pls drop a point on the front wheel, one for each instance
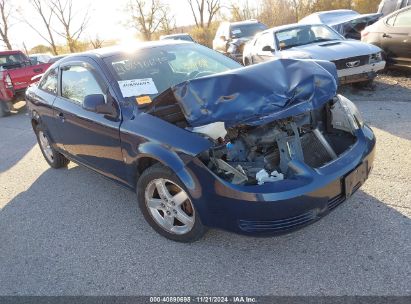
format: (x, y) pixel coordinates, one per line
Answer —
(365, 85)
(54, 159)
(167, 206)
(4, 109)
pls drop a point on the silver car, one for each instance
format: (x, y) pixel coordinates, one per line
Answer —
(355, 61)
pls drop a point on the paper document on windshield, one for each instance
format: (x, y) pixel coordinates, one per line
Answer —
(137, 87)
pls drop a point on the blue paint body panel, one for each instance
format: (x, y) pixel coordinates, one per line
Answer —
(114, 147)
(259, 93)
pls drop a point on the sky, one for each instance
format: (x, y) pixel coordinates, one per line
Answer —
(107, 17)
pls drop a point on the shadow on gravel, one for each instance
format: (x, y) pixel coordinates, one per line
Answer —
(16, 138)
(390, 85)
(73, 232)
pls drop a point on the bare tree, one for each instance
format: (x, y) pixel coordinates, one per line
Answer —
(147, 16)
(63, 10)
(42, 8)
(213, 6)
(200, 8)
(5, 11)
(96, 42)
(168, 21)
(276, 12)
(242, 11)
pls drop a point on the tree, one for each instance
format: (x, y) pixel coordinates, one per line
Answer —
(63, 10)
(201, 8)
(5, 11)
(276, 12)
(96, 42)
(146, 16)
(38, 49)
(242, 11)
(46, 13)
(168, 22)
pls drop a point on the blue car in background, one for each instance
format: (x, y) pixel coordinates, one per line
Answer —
(203, 141)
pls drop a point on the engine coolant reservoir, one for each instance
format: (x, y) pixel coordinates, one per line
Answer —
(214, 130)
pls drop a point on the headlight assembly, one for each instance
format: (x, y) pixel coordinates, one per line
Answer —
(345, 115)
(375, 57)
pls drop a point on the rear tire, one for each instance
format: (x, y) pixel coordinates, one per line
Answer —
(167, 206)
(55, 159)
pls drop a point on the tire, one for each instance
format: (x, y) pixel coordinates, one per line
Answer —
(365, 85)
(4, 109)
(55, 159)
(166, 210)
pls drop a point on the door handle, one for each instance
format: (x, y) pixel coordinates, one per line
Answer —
(386, 35)
(61, 116)
(38, 70)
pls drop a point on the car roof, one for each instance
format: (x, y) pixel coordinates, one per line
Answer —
(121, 49)
(396, 12)
(251, 21)
(176, 35)
(290, 26)
(10, 52)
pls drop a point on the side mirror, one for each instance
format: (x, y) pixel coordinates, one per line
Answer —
(268, 48)
(97, 103)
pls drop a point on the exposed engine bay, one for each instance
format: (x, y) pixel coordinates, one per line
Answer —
(250, 155)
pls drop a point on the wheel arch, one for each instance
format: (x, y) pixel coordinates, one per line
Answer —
(35, 119)
(151, 154)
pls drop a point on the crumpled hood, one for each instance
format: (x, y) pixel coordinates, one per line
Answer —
(257, 94)
(359, 18)
(332, 50)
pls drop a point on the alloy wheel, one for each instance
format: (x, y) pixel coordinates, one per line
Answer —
(169, 206)
(45, 146)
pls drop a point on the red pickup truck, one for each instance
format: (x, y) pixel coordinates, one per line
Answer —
(16, 73)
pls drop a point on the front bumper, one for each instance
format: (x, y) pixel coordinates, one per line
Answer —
(283, 206)
(361, 73)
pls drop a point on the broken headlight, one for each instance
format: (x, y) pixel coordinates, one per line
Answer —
(377, 57)
(345, 115)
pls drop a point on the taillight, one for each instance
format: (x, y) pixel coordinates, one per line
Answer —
(7, 82)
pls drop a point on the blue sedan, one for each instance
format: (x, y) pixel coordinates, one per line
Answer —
(203, 141)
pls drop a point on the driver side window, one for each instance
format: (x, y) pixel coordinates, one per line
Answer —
(77, 82)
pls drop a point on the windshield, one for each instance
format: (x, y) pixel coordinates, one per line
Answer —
(151, 71)
(246, 30)
(305, 34)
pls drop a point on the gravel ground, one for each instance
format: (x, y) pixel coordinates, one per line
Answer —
(71, 232)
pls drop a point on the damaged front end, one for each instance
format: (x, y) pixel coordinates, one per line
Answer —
(250, 155)
(262, 117)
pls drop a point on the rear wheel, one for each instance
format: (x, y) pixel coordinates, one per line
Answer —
(167, 206)
(54, 159)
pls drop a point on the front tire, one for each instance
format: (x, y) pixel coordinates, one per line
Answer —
(365, 85)
(4, 109)
(55, 159)
(167, 206)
